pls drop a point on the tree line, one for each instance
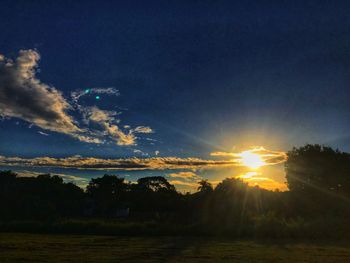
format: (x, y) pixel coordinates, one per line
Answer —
(318, 179)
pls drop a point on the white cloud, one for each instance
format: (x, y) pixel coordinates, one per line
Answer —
(76, 95)
(142, 129)
(88, 139)
(137, 151)
(97, 115)
(43, 133)
(24, 96)
(109, 123)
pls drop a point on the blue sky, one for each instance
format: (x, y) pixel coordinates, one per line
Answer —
(204, 76)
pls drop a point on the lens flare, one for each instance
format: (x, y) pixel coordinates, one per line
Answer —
(251, 159)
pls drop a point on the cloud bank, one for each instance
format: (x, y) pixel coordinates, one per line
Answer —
(151, 163)
(155, 163)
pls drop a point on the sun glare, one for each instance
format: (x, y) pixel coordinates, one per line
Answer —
(251, 159)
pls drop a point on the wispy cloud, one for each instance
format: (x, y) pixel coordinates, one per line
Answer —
(142, 129)
(109, 125)
(185, 180)
(66, 177)
(188, 176)
(155, 163)
(137, 151)
(268, 157)
(76, 95)
(184, 183)
(24, 96)
(43, 133)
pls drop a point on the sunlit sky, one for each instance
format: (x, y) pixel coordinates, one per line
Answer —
(153, 80)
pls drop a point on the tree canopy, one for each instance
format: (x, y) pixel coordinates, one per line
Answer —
(318, 168)
(318, 178)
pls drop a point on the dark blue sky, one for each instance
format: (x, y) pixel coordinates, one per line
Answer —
(204, 75)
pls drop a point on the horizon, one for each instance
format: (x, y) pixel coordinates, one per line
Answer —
(113, 80)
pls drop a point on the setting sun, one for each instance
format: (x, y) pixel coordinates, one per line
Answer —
(252, 160)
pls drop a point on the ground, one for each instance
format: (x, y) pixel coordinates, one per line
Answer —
(74, 248)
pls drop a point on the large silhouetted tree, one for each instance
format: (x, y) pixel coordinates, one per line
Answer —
(154, 194)
(107, 193)
(319, 180)
(318, 168)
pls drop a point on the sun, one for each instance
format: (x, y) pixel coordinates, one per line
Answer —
(251, 159)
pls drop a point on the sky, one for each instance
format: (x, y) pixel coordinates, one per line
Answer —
(153, 80)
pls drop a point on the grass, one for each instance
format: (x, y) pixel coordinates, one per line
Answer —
(16, 247)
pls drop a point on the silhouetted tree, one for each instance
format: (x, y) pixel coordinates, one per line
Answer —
(318, 178)
(313, 167)
(205, 186)
(154, 194)
(39, 197)
(107, 192)
(155, 184)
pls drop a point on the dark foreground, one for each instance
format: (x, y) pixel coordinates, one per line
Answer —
(74, 248)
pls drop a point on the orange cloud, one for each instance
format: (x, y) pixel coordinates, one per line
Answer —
(154, 163)
(267, 156)
(257, 179)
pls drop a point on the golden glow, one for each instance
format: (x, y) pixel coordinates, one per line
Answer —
(255, 157)
(254, 178)
(248, 175)
(251, 159)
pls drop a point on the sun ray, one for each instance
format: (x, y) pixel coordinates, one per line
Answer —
(250, 159)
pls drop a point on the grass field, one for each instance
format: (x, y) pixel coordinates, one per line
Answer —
(72, 248)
